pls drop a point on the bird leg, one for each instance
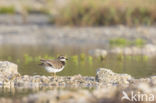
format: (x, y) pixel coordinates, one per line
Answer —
(52, 74)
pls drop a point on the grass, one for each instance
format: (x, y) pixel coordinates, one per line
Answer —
(31, 10)
(92, 12)
(107, 12)
(77, 59)
(122, 42)
(139, 42)
(28, 64)
(7, 10)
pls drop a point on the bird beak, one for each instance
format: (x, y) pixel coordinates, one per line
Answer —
(66, 58)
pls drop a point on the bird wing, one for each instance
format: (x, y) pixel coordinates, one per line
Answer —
(55, 64)
(52, 63)
(46, 62)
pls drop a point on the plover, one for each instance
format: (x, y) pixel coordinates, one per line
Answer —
(54, 66)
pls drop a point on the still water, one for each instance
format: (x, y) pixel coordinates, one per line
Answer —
(80, 62)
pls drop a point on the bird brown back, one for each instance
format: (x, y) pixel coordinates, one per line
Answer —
(53, 63)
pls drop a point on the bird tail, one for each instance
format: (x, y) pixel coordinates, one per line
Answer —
(41, 64)
(42, 61)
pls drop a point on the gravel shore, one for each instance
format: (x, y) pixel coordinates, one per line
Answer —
(106, 87)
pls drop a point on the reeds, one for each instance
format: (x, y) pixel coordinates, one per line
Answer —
(94, 12)
(107, 12)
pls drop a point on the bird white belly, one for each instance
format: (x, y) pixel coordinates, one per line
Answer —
(53, 70)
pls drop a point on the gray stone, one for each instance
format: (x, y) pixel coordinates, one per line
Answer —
(98, 52)
(148, 50)
(107, 76)
(8, 67)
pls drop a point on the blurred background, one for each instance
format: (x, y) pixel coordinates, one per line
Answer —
(115, 34)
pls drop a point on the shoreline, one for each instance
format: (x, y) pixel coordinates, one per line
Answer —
(106, 85)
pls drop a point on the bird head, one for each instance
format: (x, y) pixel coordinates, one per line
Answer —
(62, 58)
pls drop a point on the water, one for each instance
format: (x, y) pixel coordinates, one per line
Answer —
(80, 62)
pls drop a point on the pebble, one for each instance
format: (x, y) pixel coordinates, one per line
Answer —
(147, 50)
(106, 86)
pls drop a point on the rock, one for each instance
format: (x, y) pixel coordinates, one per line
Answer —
(107, 76)
(107, 93)
(63, 96)
(98, 52)
(143, 86)
(8, 68)
(8, 74)
(127, 51)
(100, 92)
(116, 51)
(148, 50)
(153, 80)
(77, 78)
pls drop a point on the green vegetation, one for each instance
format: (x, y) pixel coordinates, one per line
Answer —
(122, 42)
(82, 58)
(137, 58)
(90, 59)
(139, 42)
(31, 10)
(75, 59)
(28, 64)
(27, 59)
(107, 12)
(7, 10)
(92, 12)
(9, 58)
